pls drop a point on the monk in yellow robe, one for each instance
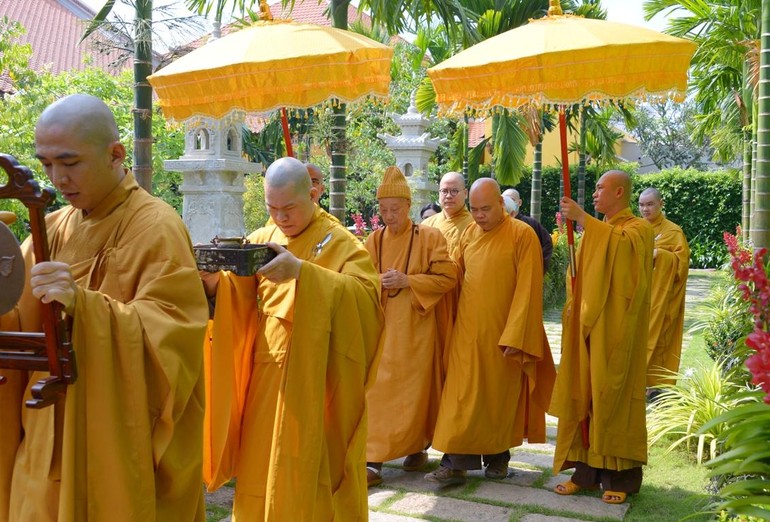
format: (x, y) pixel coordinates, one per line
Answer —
(599, 396)
(416, 273)
(291, 353)
(125, 442)
(500, 373)
(671, 264)
(454, 216)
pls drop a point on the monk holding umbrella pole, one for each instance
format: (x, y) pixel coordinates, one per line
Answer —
(558, 61)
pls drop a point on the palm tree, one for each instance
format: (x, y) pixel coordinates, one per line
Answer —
(760, 225)
(142, 163)
(724, 75)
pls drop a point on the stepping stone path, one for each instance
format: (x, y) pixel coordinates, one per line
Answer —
(525, 495)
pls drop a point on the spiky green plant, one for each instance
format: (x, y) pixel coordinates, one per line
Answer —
(682, 409)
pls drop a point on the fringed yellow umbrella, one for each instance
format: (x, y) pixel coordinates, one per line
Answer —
(558, 61)
(271, 65)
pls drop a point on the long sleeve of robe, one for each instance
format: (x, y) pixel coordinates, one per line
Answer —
(604, 341)
(491, 402)
(669, 284)
(287, 410)
(125, 444)
(403, 403)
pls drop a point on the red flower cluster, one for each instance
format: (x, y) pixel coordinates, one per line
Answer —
(560, 225)
(755, 287)
(360, 224)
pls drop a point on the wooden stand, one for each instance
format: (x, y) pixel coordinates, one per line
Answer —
(51, 350)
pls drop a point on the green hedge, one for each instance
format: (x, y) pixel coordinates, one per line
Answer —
(704, 204)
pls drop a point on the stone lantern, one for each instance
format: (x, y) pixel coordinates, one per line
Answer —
(213, 167)
(413, 149)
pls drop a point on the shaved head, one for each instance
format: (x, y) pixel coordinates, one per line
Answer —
(650, 204)
(288, 195)
(452, 193)
(317, 179)
(77, 142)
(487, 203)
(87, 117)
(512, 193)
(613, 192)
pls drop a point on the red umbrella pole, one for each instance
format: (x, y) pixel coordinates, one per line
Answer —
(286, 133)
(570, 235)
(567, 191)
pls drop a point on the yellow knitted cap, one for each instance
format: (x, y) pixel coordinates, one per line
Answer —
(394, 185)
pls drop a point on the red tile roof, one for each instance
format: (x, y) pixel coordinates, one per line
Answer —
(54, 28)
(314, 12)
(477, 130)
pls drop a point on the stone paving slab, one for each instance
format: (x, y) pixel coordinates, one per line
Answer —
(540, 460)
(377, 496)
(379, 516)
(537, 447)
(578, 504)
(547, 518)
(450, 508)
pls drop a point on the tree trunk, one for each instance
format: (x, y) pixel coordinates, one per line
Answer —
(143, 95)
(536, 193)
(760, 220)
(338, 171)
(746, 207)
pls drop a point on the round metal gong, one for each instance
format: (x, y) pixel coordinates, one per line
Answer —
(11, 270)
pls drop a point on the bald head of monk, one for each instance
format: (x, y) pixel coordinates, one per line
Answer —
(288, 195)
(77, 141)
(317, 179)
(613, 192)
(452, 193)
(650, 204)
(487, 206)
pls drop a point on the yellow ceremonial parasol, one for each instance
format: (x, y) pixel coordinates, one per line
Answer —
(561, 60)
(271, 65)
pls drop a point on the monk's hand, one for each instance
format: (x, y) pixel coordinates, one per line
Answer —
(512, 353)
(52, 281)
(210, 282)
(394, 279)
(571, 210)
(284, 267)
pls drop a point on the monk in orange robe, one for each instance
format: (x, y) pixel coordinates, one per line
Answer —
(599, 396)
(291, 353)
(125, 442)
(454, 217)
(416, 273)
(671, 262)
(500, 371)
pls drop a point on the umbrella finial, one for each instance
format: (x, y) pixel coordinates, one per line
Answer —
(555, 8)
(264, 11)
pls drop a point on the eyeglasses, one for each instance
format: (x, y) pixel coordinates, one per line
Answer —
(449, 192)
(315, 182)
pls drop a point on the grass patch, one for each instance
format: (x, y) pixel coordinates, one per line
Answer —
(673, 488)
(216, 513)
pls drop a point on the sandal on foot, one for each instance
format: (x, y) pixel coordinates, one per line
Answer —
(613, 497)
(567, 488)
(373, 477)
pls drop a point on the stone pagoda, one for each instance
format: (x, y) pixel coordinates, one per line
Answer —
(413, 149)
(213, 167)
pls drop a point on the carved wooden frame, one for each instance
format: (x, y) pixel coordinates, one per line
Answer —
(50, 350)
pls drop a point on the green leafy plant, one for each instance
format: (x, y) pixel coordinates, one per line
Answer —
(681, 411)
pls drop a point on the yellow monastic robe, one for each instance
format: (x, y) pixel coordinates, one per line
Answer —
(669, 282)
(125, 444)
(292, 424)
(604, 341)
(11, 396)
(491, 402)
(403, 403)
(452, 228)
